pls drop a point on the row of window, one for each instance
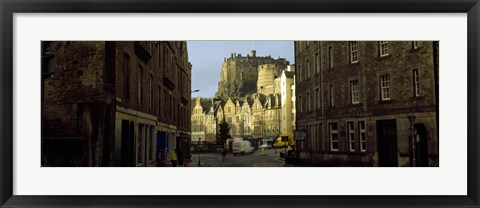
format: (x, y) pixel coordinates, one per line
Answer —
(356, 132)
(383, 50)
(172, 110)
(385, 92)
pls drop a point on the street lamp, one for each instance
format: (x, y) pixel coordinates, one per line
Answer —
(190, 143)
(198, 149)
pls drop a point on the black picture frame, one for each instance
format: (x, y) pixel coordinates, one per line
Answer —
(10, 7)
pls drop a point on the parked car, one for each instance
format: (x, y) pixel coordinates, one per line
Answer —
(266, 146)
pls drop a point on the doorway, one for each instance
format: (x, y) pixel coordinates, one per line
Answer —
(127, 147)
(387, 143)
(421, 148)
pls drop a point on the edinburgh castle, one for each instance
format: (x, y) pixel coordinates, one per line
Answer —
(239, 74)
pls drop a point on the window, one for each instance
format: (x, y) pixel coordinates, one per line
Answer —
(330, 93)
(383, 48)
(165, 105)
(330, 57)
(319, 137)
(300, 103)
(140, 143)
(150, 91)
(414, 44)
(313, 135)
(49, 57)
(307, 66)
(300, 73)
(363, 139)
(159, 101)
(174, 112)
(353, 52)
(317, 63)
(354, 91)
(126, 76)
(308, 102)
(416, 83)
(170, 105)
(333, 136)
(351, 136)
(317, 94)
(229, 109)
(150, 143)
(140, 85)
(385, 87)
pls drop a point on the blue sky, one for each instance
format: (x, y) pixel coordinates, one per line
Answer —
(207, 59)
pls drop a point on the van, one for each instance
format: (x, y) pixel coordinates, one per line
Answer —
(281, 144)
(242, 147)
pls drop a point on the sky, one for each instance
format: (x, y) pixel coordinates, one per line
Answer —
(207, 59)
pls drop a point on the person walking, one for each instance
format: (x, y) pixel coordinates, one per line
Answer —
(173, 158)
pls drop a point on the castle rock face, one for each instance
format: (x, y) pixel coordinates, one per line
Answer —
(239, 74)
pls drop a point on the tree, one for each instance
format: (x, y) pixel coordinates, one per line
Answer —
(223, 132)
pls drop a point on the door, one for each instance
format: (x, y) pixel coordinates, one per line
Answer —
(421, 148)
(127, 147)
(162, 143)
(387, 143)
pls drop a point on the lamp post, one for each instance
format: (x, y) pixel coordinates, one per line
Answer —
(198, 149)
(190, 143)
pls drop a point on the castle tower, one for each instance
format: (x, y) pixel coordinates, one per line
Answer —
(240, 73)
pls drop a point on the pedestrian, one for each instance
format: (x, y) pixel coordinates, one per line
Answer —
(186, 160)
(180, 157)
(173, 158)
(224, 153)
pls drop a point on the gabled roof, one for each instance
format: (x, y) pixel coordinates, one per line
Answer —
(289, 74)
(206, 104)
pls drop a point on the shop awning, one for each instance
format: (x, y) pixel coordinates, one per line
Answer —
(269, 138)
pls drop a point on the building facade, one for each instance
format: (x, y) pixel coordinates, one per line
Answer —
(287, 81)
(367, 103)
(128, 103)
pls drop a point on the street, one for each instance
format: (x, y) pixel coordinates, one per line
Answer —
(257, 159)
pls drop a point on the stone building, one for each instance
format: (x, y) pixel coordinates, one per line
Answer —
(246, 120)
(355, 98)
(198, 121)
(258, 112)
(271, 117)
(287, 81)
(205, 119)
(239, 74)
(230, 114)
(114, 103)
(212, 119)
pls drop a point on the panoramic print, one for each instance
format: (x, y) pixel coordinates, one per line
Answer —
(240, 103)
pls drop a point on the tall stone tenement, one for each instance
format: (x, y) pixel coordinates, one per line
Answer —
(240, 73)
